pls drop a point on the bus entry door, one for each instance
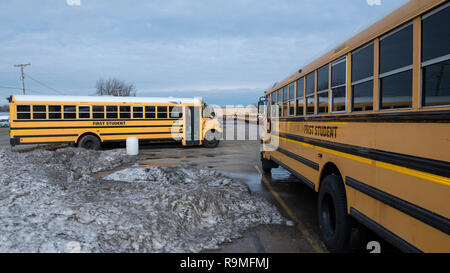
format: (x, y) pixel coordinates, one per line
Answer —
(193, 126)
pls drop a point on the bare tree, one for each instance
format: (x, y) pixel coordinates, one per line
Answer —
(115, 87)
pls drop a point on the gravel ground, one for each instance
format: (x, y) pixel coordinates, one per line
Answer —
(49, 202)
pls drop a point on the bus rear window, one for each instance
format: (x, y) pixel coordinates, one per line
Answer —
(23, 111)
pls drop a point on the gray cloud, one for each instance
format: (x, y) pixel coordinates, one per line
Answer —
(166, 47)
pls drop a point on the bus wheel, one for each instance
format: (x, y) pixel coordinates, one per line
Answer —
(211, 139)
(268, 165)
(334, 221)
(89, 142)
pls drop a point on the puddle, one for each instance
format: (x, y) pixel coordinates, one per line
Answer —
(252, 180)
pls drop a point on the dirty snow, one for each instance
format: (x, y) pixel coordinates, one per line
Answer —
(49, 202)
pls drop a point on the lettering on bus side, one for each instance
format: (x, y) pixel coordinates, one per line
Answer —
(323, 131)
(108, 123)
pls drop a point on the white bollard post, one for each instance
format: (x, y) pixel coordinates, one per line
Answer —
(132, 146)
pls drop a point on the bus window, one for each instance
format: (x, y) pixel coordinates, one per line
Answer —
(322, 90)
(111, 112)
(436, 57)
(273, 103)
(177, 111)
(362, 79)
(70, 112)
(54, 112)
(39, 111)
(138, 112)
(285, 101)
(84, 112)
(300, 97)
(150, 112)
(280, 103)
(125, 112)
(339, 85)
(98, 112)
(396, 55)
(162, 111)
(291, 99)
(23, 112)
(310, 82)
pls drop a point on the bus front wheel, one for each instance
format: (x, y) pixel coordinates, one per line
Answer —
(89, 142)
(211, 139)
(334, 221)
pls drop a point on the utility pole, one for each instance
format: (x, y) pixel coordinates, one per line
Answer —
(23, 76)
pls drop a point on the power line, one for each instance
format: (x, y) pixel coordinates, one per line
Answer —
(45, 85)
(23, 77)
(16, 88)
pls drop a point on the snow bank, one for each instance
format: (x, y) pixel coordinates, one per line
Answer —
(49, 202)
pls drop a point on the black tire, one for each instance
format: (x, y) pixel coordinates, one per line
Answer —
(335, 223)
(211, 139)
(89, 142)
(268, 165)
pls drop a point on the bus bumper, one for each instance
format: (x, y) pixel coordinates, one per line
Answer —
(14, 141)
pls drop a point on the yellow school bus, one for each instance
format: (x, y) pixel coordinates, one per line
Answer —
(367, 126)
(88, 121)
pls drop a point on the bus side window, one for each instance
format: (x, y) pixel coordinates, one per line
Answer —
(162, 111)
(322, 90)
(98, 112)
(176, 111)
(39, 111)
(23, 111)
(84, 112)
(310, 82)
(54, 112)
(125, 112)
(396, 68)
(436, 57)
(150, 112)
(300, 98)
(138, 112)
(285, 101)
(362, 79)
(70, 112)
(111, 112)
(279, 102)
(339, 85)
(291, 99)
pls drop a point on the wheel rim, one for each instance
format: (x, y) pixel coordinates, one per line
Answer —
(328, 216)
(89, 145)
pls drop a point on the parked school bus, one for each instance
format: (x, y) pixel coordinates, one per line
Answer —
(367, 126)
(88, 121)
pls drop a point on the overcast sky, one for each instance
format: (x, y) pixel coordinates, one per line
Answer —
(227, 52)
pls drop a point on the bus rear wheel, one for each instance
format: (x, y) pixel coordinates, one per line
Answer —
(89, 142)
(334, 221)
(268, 165)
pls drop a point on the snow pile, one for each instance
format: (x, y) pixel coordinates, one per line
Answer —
(49, 202)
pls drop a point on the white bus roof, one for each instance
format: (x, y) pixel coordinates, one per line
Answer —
(19, 98)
